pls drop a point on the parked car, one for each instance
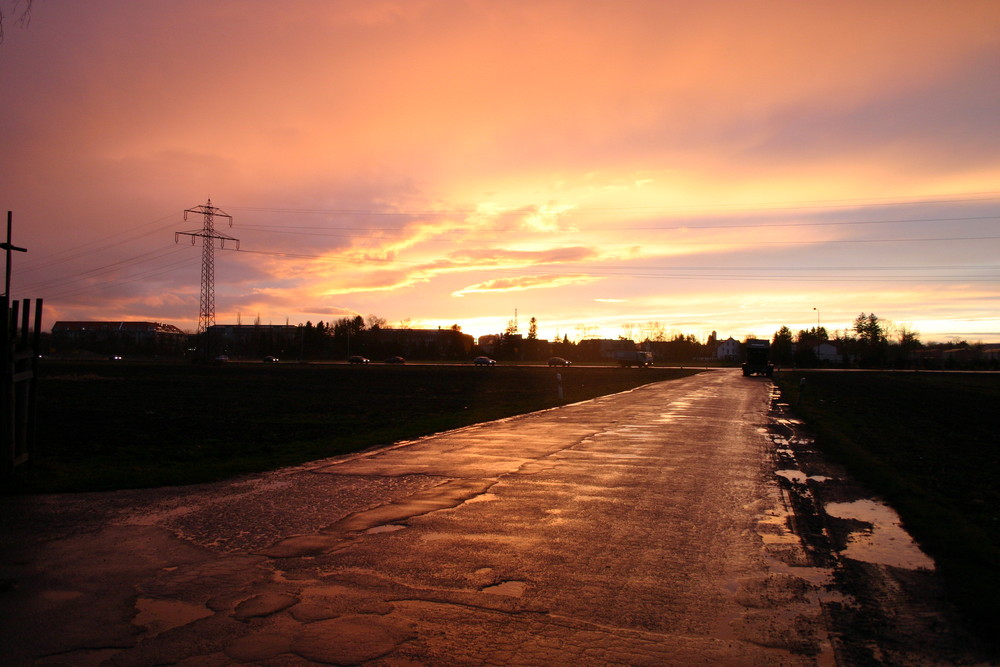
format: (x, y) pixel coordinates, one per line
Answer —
(395, 360)
(357, 359)
(559, 361)
(484, 361)
(221, 359)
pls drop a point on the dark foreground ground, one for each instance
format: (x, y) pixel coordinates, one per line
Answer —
(642, 528)
(927, 443)
(111, 425)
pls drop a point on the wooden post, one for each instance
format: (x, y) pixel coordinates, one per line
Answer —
(7, 444)
(16, 384)
(36, 351)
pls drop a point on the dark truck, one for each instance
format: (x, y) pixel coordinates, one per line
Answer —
(629, 358)
(756, 358)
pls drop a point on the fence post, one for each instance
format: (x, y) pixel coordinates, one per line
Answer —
(6, 390)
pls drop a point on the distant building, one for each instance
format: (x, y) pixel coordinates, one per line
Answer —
(488, 343)
(972, 353)
(728, 350)
(142, 338)
(596, 349)
(254, 340)
(827, 351)
(423, 343)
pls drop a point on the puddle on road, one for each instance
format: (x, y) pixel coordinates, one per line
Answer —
(158, 616)
(669, 419)
(61, 596)
(773, 528)
(482, 498)
(885, 542)
(514, 589)
(388, 528)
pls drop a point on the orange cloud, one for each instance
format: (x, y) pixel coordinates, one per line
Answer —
(522, 283)
(500, 256)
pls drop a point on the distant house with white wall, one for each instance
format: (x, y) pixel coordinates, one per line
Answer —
(728, 349)
(827, 352)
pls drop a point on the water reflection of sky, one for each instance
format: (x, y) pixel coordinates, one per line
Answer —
(884, 542)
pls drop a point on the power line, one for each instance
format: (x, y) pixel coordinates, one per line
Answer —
(648, 272)
(152, 273)
(948, 198)
(68, 255)
(753, 225)
(107, 268)
(354, 260)
(736, 242)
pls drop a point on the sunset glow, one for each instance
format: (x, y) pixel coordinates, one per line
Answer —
(600, 166)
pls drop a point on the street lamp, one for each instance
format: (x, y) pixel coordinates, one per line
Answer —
(817, 318)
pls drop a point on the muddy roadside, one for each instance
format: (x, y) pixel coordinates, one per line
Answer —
(885, 604)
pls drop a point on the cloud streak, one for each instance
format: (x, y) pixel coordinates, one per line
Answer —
(522, 283)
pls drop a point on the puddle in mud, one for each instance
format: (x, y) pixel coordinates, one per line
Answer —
(773, 529)
(514, 589)
(799, 477)
(387, 528)
(886, 542)
(794, 476)
(822, 578)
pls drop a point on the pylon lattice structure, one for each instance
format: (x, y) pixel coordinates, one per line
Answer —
(208, 236)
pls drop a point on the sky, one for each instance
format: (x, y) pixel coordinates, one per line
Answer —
(609, 168)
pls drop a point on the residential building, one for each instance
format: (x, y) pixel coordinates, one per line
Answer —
(728, 350)
(100, 337)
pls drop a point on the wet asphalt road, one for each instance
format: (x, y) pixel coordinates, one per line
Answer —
(641, 528)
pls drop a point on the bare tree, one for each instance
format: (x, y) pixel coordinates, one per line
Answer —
(376, 322)
(19, 9)
(585, 331)
(654, 331)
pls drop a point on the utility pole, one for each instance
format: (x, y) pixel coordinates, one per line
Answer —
(208, 235)
(8, 246)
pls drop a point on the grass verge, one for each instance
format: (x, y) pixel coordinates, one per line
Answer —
(106, 426)
(928, 443)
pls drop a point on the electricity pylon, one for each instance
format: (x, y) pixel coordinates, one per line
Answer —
(208, 235)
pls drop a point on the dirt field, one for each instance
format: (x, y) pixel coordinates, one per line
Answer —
(927, 444)
(107, 425)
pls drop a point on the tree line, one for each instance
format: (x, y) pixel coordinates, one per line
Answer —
(872, 342)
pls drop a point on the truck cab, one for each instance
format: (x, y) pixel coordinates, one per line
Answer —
(629, 358)
(757, 362)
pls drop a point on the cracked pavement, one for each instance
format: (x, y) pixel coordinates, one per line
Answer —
(646, 527)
